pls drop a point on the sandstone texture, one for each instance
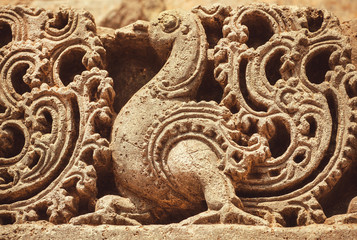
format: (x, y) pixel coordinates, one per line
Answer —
(54, 232)
(344, 9)
(196, 123)
(350, 29)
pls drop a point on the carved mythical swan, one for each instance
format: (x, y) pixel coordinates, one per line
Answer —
(189, 149)
(281, 137)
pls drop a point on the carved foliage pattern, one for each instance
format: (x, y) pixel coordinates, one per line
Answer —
(289, 80)
(55, 102)
(284, 130)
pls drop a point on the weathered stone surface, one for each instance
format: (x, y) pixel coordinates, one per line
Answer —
(344, 9)
(128, 11)
(217, 115)
(55, 112)
(350, 29)
(174, 231)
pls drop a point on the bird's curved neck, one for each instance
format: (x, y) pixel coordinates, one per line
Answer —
(181, 75)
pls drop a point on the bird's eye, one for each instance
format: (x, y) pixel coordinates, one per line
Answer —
(169, 23)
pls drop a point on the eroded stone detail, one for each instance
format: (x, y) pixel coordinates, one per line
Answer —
(55, 103)
(278, 136)
(291, 88)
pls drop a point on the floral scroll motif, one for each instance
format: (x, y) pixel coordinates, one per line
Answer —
(277, 139)
(286, 88)
(55, 102)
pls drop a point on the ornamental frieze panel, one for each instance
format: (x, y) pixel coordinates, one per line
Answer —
(218, 115)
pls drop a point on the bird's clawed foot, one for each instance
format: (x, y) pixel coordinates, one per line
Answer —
(229, 214)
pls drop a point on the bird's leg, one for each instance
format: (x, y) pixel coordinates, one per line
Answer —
(193, 162)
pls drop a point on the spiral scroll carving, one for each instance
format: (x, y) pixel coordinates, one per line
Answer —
(277, 139)
(51, 114)
(286, 88)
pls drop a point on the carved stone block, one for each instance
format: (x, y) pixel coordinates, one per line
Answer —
(218, 115)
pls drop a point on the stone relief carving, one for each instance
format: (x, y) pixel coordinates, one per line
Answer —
(53, 126)
(217, 115)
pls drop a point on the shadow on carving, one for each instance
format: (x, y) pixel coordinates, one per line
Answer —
(59, 20)
(210, 89)
(12, 140)
(298, 158)
(290, 217)
(315, 19)
(7, 218)
(5, 34)
(6, 177)
(312, 126)
(259, 27)
(71, 65)
(131, 66)
(47, 122)
(317, 66)
(34, 160)
(272, 69)
(280, 141)
(2, 108)
(255, 105)
(17, 78)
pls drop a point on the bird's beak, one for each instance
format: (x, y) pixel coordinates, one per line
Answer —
(138, 31)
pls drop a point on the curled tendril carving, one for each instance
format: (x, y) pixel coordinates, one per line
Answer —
(51, 114)
(284, 90)
(277, 139)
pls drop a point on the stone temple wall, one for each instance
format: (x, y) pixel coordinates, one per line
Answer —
(214, 121)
